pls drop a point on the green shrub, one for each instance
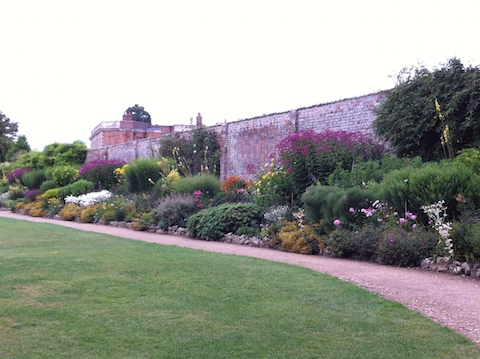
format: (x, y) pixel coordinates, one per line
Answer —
(361, 244)
(364, 172)
(144, 222)
(16, 192)
(415, 188)
(213, 223)
(174, 210)
(48, 184)
(470, 158)
(51, 193)
(64, 175)
(4, 186)
(404, 248)
(142, 174)
(33, 179)
(207, 184)
(75, 189)
(325, 204)
(466, 241)
(117, 209)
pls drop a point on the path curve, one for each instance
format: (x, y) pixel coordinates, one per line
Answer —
(452, 301)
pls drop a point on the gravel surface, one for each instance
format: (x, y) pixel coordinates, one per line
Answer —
(452, 301)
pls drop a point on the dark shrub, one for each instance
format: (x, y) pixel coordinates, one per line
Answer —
(404, 248)
(361, 244)
(174, 210)
(30, 194)
(466, 241)
(48, 184)
(213, 223)
(101, 172)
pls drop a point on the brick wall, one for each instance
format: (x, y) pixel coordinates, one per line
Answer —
(246, 145)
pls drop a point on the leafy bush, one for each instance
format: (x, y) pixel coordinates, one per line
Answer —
(75, 189)
(429, 184)
(48, 184)
(214, 222)
(174, 210)
(466, 241)
(144, 222)
(207, 184)
(33, 179)
(470, 158)
(310, 157)
(142, 174)
(361, 244)
(101, 172)
(31, 194)
(64, 175)
(400, 247)
(17, 174)
(407, 118)
(4, 186)
(16, 192)
(117, 209)
(70, 212)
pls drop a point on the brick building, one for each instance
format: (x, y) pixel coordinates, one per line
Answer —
(110, 133)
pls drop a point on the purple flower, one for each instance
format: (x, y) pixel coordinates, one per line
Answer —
(414, 226)
(337, 222)
(403, 220)
(391, 239)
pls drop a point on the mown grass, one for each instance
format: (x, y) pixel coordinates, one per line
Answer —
(74, 294)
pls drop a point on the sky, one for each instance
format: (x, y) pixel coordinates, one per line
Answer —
(68, 65)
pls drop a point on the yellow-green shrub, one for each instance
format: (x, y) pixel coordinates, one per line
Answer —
(299, 239)
(70, 212)
(89, 213)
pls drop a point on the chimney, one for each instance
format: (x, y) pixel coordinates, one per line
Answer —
(127, 116)
(199, 120)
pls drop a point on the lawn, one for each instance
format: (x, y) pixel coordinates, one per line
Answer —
(74, 294)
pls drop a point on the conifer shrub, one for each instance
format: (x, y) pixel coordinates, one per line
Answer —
(75, 189)
(48, 184)
(33, 179)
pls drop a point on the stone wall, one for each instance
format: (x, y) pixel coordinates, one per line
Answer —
(246, 145)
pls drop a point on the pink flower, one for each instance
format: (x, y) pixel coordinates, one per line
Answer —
(403, 220)
(351, 210)
(368, 212)
(337, 222)
(395, 214)
(414, 226)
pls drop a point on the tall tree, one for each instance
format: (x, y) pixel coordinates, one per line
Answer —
(8, 132)
(410, 121)
(19, 147)
(139, 114)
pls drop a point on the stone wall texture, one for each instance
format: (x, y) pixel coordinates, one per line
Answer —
(246, 145)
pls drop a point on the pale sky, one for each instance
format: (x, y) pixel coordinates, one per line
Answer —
(68, 65)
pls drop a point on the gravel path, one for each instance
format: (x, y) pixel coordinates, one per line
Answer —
(453, 301)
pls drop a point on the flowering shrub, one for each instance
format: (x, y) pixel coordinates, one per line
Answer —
(117, 209)
(70, 212)
(89, 213)
(437, 213)
(88, 199)
(273, 188)
(17, 174)
(310, 157)
(120, 174)
(101, 172)
(30, 194)
(64, 175)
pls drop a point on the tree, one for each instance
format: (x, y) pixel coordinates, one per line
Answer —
(19, 147)
(408, 117)
(139, 114)
(8, 131)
